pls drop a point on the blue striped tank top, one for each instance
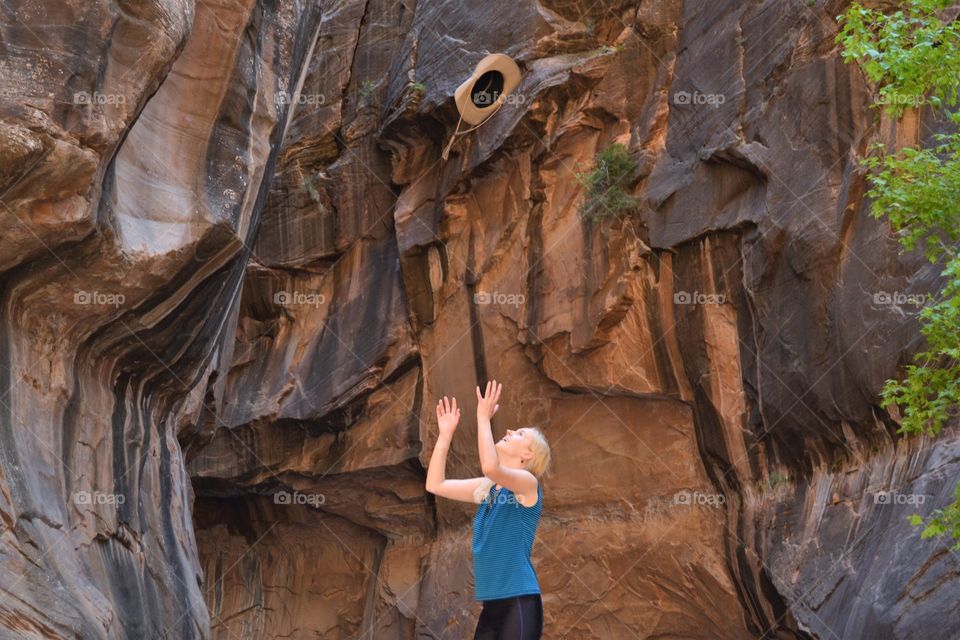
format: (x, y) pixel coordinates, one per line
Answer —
(503, 533)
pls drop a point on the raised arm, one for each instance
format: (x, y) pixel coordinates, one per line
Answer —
(486, 407)
(464, 490)
(519, 481)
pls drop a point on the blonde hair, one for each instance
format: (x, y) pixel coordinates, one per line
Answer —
(538, 465)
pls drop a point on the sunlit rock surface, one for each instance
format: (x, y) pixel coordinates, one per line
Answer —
(237, 273)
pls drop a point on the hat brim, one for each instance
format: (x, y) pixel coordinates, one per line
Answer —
(471, 113)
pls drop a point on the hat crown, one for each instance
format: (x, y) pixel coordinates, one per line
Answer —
(494, 78)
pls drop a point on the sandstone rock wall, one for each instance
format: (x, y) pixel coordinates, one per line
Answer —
(245, 284)
(138, 138)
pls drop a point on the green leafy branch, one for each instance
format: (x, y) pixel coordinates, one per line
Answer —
(912, 56)
(908, 53)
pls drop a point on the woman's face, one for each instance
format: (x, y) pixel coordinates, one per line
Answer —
(517, 442)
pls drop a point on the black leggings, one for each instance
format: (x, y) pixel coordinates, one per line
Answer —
(516, 618)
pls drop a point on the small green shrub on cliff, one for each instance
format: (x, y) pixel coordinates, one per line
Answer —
(311, 188)
(613, 170)
(912, 55)
(368, 87)
(776, 479)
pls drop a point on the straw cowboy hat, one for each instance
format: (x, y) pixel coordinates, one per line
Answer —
(495, 77)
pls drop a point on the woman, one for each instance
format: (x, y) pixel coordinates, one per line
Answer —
(504, 526)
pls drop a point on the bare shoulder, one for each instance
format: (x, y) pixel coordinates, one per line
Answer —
(530, 500)
(520, 482)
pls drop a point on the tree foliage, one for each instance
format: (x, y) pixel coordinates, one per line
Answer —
(912, 57)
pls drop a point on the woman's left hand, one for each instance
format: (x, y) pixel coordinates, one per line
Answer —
(487, 402)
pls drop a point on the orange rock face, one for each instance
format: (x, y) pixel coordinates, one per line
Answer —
(237, 273)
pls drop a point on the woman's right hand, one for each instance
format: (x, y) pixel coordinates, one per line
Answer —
(448, 416)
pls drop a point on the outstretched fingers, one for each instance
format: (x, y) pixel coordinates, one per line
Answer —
(491, 392)
(445, 407)
(488, 390)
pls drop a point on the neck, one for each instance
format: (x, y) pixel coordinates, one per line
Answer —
(514, 462)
